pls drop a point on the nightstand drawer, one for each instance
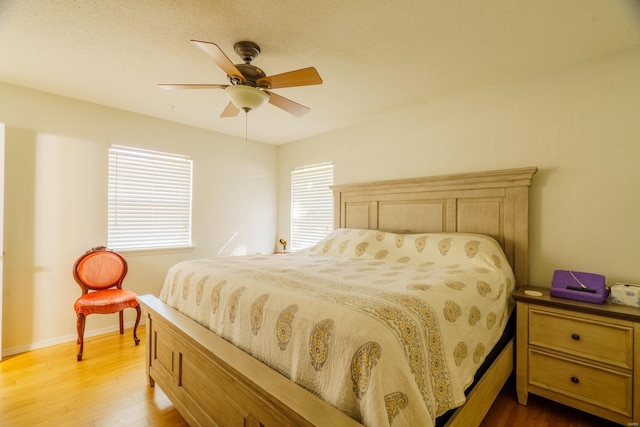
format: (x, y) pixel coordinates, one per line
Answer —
(608, 389)
(589, 337)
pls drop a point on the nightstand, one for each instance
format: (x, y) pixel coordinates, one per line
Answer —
(579, 354)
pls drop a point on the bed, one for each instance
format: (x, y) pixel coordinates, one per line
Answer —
(387, 232)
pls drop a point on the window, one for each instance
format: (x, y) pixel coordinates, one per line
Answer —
(311, 204)
(149, 199)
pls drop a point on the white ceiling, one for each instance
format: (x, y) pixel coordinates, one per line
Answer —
(374, 56)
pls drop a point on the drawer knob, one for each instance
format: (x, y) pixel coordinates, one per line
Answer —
(575, 380)
(575, 337)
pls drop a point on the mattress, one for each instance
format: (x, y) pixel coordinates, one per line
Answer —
(389, 328)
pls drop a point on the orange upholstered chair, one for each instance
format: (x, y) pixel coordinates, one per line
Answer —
(99, 273)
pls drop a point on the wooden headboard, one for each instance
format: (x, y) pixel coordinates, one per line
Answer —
(495, 203)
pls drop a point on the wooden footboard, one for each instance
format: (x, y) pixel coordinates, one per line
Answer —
(213, 383)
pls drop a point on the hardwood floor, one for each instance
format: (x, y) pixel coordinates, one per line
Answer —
(539, 412)
(48, 387)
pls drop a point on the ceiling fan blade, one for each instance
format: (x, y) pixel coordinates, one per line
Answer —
(303, 77)
(287, 105)
(230, 110)
(172, 86)
(219, 58)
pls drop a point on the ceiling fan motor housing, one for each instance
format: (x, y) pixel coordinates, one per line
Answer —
(251, 73)
(248, 51)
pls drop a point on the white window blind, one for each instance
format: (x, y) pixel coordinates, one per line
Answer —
(311, 204)
(149, 199)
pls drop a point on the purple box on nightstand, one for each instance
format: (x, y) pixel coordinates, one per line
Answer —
(577, 285)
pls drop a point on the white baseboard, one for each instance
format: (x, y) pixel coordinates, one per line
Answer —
(60, 340)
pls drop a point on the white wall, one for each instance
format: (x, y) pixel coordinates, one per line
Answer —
(580, 126)
(56, 205)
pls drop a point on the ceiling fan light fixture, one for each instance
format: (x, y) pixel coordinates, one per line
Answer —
(246, 98)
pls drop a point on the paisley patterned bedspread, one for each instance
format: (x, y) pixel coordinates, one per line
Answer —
(389, 328)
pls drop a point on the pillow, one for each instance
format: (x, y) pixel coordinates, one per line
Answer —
(433, 248)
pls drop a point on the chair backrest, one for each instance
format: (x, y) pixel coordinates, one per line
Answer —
(99, 268)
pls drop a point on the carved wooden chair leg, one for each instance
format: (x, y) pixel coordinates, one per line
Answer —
(80, 326)
(121, 314)
(135, 327)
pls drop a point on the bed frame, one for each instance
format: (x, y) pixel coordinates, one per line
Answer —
(211, 382)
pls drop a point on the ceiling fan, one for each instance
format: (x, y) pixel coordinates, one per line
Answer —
(249, 87)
